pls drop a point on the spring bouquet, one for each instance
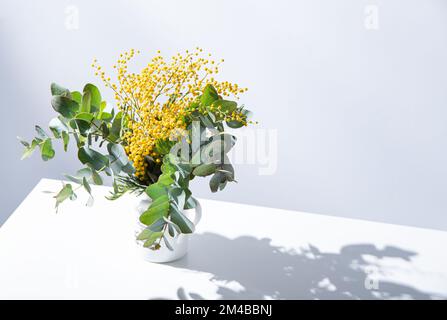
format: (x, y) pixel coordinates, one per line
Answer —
(168, 127)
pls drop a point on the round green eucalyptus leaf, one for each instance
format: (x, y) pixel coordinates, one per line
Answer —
(57, 90)
(209, 95)
(86, 102)
(96, 178)
(92, 158)
(234, 124)
(65, 106)
(118, 152)
(65, 193)
(158, 225)
(158, 209)
(106, 116)
(86, 116)
(155, 191)
(177, 217)
(47, 150)
(66, 139)
(81, 125)
(216, 180)
(152, 238)
(95, 96)
(41, 133)
(76, 96)
(204, 170)
(225, 105)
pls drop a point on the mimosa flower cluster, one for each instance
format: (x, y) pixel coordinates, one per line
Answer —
(158, 99)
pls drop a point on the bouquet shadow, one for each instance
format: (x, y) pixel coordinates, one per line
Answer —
(261, 270)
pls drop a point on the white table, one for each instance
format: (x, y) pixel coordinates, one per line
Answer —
(239, 252)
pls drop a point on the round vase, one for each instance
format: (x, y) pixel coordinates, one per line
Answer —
(179, 243)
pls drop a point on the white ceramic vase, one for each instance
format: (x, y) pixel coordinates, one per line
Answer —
(179, 243)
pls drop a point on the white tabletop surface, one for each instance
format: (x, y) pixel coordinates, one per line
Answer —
(238, 252)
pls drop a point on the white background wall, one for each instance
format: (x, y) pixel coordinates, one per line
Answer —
(361, 114)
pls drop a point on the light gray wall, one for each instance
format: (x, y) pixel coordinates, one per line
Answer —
(361, 114)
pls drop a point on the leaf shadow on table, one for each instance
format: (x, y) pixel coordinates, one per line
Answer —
(250, 268)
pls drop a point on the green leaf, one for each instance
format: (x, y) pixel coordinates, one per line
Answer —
(178, 195)
(152, 238)
(88, 117)
(168, 167)
(228, 170)
(82, 122)
(171, 230)
(190, 203)
(89, 190)
(47, 150)
(65, 193)
(172, 225)
(86, 102)
(155, 191)
(92, 158)
(157, 210)
(148, 234)
(41, 133)
(216, 180)
(86, 185)
(184, 168)
(165, 179)
(209, 95)
(222, 185)
(238, 124)
(76, 96)
(177, 217)
(95, 96)
(145, 234)
(102, 107)
(158, 225)
(79, 143)
(114, 165)
(234, 124)
(104, 130)
(66, 139)
(225, 105)
(80, 175)
(128, 168)
(115, 130)
(217, 149)
(96, 178)
(57, 90)
(204, 170)
(105, 116)
(164, 146)
(57, 127)
(84, 172)
(118, 152)
(73, 179)
(83, 126)
(65, 106)
(30, 149)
